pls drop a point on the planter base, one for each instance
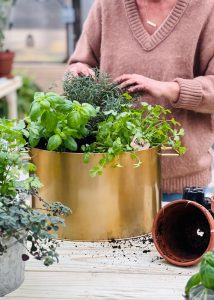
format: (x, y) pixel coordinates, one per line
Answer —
(11, 269)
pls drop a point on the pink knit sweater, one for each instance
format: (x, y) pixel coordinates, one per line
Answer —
(182, 49)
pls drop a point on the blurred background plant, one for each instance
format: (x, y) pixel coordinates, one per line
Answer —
(25, 96)
(4, 9)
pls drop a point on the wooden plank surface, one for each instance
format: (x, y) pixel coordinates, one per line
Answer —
(105, 270)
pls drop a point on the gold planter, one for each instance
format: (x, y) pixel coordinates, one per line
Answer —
(121, 203)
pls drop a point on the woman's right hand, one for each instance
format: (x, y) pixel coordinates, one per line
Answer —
(78, 69)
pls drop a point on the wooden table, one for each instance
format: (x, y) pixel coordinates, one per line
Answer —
(8, 89)
(104, 271)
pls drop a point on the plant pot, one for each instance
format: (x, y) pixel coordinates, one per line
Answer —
(11, 267)
(6, 63)
(121, 203)
(183, 231)
(212, 204)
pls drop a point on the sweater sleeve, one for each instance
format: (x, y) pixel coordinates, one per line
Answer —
(88, 47)
(197, 94)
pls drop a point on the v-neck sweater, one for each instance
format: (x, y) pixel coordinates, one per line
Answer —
(182, 50)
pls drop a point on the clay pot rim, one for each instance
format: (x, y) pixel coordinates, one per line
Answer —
(209, 219)
(8, 54)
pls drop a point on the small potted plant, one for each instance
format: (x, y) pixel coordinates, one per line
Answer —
(23, 230)
(201, 285)
(6, 56)
(94, 122)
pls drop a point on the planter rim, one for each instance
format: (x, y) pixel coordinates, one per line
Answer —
(94, 153)
(209, 219)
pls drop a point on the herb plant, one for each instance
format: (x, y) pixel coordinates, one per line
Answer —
(151, 124)
(57, 123)
(96, 117)
(99, 92)
(202, 283)
(17, 219)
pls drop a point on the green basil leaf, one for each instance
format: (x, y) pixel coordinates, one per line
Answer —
(207, 275)
(54, 142)
(193, 281)
(67, 106)
(70, 144)
(74, 119)
(89, 110)
(45, 104)
(49, 121)
(34, 141)
(35, 111)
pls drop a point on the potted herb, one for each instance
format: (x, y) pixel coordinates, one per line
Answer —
(116, 141)
(201, 285)
(23, 230)
(6, 56)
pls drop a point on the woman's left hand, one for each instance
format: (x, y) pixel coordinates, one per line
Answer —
(134, 83)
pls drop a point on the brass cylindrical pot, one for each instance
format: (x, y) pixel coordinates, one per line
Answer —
(121, 203)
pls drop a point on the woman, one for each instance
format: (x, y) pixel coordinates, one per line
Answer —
(164, 49)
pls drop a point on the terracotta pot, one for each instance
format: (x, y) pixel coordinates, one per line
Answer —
(183, 231)
(6, 63)
(212, 204)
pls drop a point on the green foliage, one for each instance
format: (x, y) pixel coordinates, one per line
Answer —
(205, 275)
(193, 281)
(207, 271)
(17, 219)
(25, 95)
(57, 123)
(98, 118)
(99, 92)
(4, 6)
(12, 152)
(151, 124)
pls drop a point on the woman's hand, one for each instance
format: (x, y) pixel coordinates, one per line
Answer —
(78, 69)
(134, 83)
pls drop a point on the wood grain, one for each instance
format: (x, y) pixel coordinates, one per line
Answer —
(104, 271)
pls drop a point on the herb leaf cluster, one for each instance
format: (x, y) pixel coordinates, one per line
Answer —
(151, 124)
(99, 92)
(204, 277)
(17, 219)
(57, 123)
(94, 116)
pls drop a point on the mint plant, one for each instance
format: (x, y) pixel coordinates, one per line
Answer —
(17, 219)
(56, 123)
(202, 283)
(151, 124)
